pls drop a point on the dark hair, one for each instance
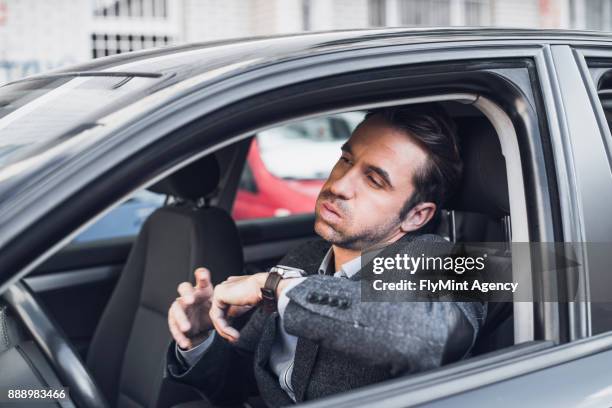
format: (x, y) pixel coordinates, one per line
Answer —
(431, 128)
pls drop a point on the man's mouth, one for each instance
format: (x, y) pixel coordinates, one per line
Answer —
(330, 211)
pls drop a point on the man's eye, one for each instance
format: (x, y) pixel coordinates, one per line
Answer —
(375, 182)
(344, 159)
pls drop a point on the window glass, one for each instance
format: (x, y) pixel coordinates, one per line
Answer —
(130, 9)
(124, 220)
(287, 166)
(36, 114)
(601, 311)
(105, 44)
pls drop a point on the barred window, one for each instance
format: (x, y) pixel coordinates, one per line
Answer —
(131, 8)
(111, 44)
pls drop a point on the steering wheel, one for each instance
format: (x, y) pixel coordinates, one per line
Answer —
(50, 339)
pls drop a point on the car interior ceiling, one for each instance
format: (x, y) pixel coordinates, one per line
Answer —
(128, 347)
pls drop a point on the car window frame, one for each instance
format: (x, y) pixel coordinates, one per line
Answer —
(593, 63)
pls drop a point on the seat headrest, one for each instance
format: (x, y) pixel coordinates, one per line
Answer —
(484, 187)
(197, 180)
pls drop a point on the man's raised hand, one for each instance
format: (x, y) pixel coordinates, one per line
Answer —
(232, 298)
(188, 317)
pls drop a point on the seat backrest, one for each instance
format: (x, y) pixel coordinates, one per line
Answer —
(480, 204)
(127, 353)
(484, 186)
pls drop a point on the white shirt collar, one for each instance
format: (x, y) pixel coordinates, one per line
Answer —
(347, 269)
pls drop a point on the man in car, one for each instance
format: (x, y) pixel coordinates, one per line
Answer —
(292, 336)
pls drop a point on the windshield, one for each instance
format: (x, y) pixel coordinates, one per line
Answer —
(309, 149)
(36, 114)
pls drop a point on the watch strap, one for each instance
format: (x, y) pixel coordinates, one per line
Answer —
(268, 292)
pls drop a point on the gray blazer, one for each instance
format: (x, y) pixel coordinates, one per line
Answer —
(342, 344)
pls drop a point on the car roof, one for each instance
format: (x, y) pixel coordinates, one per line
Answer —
(193, 59)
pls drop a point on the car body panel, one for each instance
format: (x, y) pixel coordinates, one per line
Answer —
(527, 374)
(585, 382)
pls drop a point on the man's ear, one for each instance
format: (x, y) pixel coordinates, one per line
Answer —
(418, 216)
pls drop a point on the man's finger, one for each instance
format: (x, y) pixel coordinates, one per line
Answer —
(232, 278)
(202, 278)
(205, 293)
(178, 336)
(180, 316)
(235, 311)
(186, 290)
(217, 315)
(218, 319)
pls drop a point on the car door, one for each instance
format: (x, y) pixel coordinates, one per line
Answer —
(575, 107)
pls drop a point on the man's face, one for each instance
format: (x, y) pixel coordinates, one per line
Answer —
(360, 203)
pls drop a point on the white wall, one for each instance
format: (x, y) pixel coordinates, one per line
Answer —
(338, 14)
(350, 14)
(287, 16)
(322, 15)
(37, 36)
(206, 20)
(515, 13)
(263, 15)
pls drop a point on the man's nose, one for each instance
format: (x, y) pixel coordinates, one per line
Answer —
(343, 186)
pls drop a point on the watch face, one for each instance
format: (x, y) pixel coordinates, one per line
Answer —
(291, 274)
(288, 272)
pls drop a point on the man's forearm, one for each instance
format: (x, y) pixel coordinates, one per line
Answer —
(405, 335)
(281, 293)
(224, 373)
(190, 357)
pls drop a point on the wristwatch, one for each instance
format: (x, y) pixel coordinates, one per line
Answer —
(268, 292)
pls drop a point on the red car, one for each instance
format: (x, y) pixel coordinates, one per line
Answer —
(262, 194)
(270, 187)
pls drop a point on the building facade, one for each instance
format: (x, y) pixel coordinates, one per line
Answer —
(41, 35)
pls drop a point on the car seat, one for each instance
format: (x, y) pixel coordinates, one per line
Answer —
(127, 352)
(481, 212)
